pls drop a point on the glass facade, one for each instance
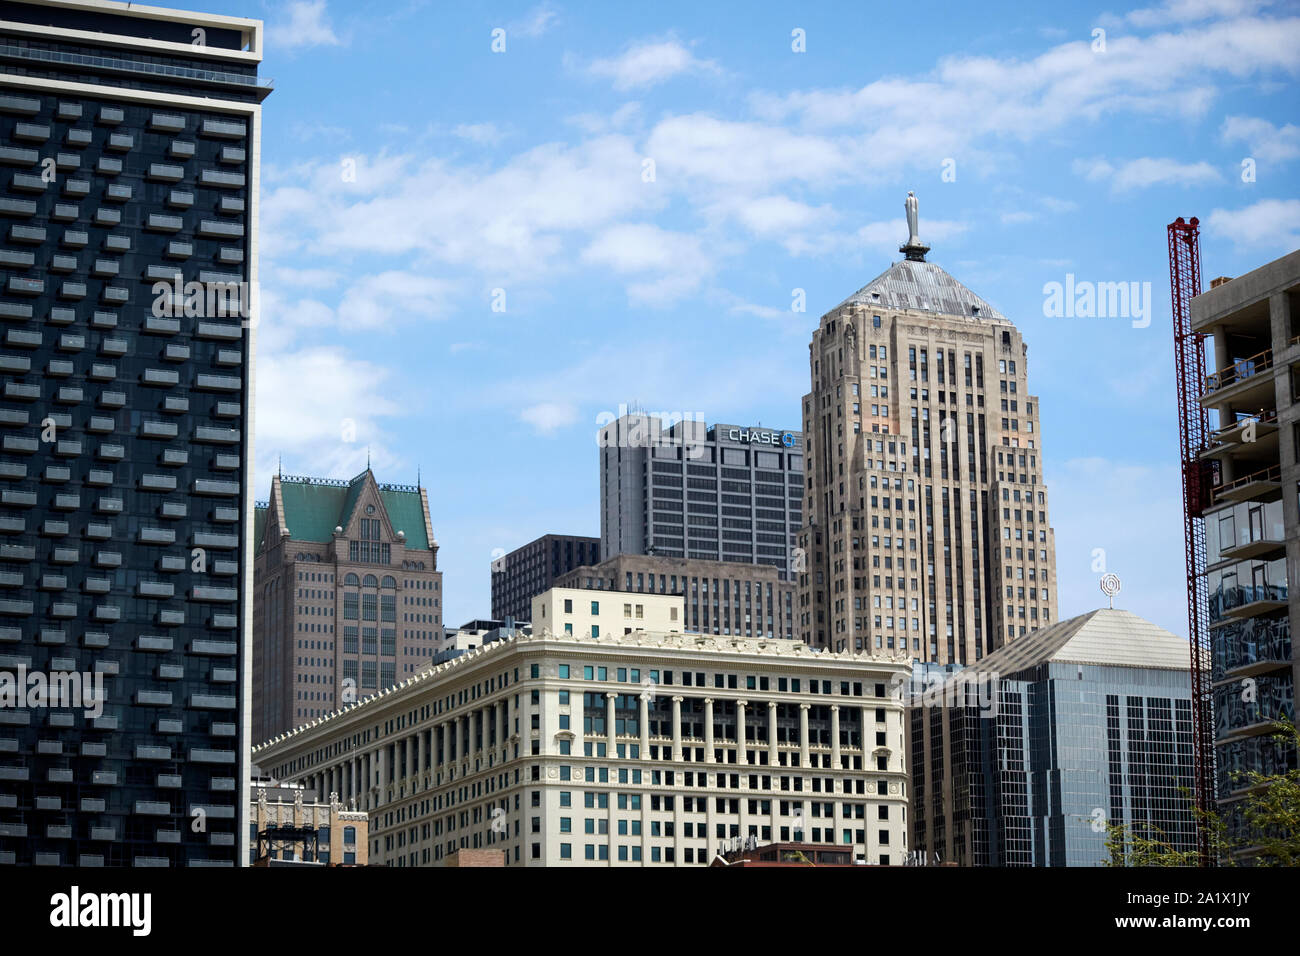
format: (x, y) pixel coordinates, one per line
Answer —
(1034, 780)
(124, 345)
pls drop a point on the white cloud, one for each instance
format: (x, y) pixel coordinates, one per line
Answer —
(393, 297)
(880, 237)
(755, 156)
(1188, 11)
(513, 220)
(650, 63)
(1147, 171)
(548, 417)
(484, 134)
(307, 26)
(1269, 223)
(320, 408)
(1264, 140)
(965, 100)
(639, 248)
(537, 22)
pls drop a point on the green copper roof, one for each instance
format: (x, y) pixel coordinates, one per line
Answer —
(314, 507)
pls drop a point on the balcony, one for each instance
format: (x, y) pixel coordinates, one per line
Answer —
(1251, 436)
(1265, 482)
(1249, 529)
(1247, 589)
(1244, 382)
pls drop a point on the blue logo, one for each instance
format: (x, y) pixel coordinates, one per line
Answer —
(787, 440)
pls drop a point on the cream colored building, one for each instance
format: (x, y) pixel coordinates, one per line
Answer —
(342, 833)
(584, 613)
(619, 750)
(926, 520)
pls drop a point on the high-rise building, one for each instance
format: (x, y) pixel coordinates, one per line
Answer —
(1252, 524)
(721, 597)
(927, 517)
(644, 749)
(713, 493)
(131, 135)
(1026, 758)
(532, 569)
(347, 595)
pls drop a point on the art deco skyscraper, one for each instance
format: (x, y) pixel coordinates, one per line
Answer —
(926, 522)
(130, 135)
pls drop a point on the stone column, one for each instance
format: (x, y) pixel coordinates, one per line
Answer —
(643, 722)
(383, 773)
(677, 727)
(708, 730)
(610, 723)
(444, 729)
(803, 734)
(867, 734)
(409, 747)
(742, 755)
(499, 726)
(454, 753)
(835, 736)
(420, 765)
(772, 757)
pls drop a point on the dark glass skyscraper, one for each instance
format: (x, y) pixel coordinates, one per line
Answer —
(129, 144)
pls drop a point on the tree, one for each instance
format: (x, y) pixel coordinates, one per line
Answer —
(1270, 809)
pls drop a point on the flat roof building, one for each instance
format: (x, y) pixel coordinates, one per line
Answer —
(130, 260)
(287, 823)
(640, 749)
(684, 489)
(533, 568)
(1252, 524)
(1025, 758)
(720, 597)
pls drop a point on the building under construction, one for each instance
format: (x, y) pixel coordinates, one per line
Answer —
(1251, 522)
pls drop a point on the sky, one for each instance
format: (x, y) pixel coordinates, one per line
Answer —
(484, 226)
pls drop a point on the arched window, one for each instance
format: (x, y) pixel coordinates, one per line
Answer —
(369, 581)
(352, 581)
(388, 582)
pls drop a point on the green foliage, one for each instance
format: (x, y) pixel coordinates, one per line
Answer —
(1271, 808)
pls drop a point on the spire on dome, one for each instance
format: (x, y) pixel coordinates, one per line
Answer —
(914, 248)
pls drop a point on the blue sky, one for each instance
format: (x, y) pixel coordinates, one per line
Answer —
(644, 187)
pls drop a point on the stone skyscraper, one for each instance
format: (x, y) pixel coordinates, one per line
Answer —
(926, 515)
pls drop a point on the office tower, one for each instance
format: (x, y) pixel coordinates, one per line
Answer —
(530, 570)
(721, 597)
(644, 749)
(131, 137)
(347, 595)
(1025, 758)
(927, 517)
(1252, 528)
(712, 493)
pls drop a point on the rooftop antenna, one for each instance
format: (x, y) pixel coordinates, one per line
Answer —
(1110, 587)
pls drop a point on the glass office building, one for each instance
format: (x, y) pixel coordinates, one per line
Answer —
(129, 148)
(1025, 758)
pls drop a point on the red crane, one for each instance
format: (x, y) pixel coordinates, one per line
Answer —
(1198, 483)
